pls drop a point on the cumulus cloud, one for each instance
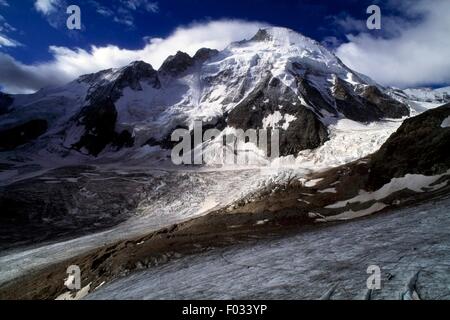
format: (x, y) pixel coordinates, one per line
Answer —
(67, 64)
(414, 53)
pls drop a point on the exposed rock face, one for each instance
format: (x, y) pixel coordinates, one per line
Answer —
(19, 135)
(5, 102)
(299, 127)
(204, 54)
(99, 120)
(177, 64)
(367, 104)
(389, 107)
(131, 76)
(420, 146)
(261, 35)
(353, 106)
(135, 73)
(314, 98)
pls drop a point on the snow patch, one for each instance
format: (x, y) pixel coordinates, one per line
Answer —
(349, 215)
(329, 190)
(413, 182)
(312, 183)
(277, 120)
(75, 296)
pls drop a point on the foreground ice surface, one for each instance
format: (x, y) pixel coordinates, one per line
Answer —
(331, 260)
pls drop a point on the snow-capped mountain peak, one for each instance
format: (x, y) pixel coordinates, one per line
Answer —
(258, 83)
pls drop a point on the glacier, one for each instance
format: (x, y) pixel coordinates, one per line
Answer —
(407, 243)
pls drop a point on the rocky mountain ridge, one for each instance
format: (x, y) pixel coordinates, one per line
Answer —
(252, 84)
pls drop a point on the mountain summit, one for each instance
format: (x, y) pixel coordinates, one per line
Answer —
(278, 79)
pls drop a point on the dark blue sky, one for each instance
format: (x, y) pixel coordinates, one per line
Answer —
(410, 50)
(313, 18)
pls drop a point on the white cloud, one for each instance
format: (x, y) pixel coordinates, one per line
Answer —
(8, 42)
(101, 9)
(123, 11)
(4, 3)
(46, 6)
(67, 64)
(149, 6)
(54, 11)
(349, 24)
(415, 53)
(5, 27)
(331, 42)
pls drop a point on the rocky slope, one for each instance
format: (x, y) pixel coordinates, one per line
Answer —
(413, 165)
(420, 146)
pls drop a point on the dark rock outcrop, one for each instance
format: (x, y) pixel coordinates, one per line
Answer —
(99, 120)
(130, 76)
(366, 106)
(5, 102)
(177, 64)
(22, 134)
(420, 146)
(204, 54)
(353, 106)
(305, 131)
(389, 107)
(313, 97)
(261, 35)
